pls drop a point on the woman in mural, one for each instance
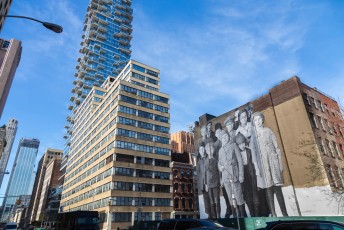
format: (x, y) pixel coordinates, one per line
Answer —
(213, 182)
(217, 146)
(268, 163)
(245, 127)
(231, 167)
(201, 175)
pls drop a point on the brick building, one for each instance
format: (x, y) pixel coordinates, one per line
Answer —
(308, 128)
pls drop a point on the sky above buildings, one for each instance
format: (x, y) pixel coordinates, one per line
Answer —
(214, 55)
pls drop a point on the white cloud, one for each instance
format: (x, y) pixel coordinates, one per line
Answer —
(222, 57)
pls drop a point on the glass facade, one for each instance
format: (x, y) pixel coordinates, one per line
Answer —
(105, 50)
(22, 174)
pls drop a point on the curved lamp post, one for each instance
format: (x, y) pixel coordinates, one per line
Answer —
(51, 26)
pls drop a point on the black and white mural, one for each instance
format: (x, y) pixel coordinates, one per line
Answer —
(239, 168)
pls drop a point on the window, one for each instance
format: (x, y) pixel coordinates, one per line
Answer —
(321, 122)
(320, 106)
(124, 171)
(121, 217)
(144, 173)
(152, 73)
(124, 158)
(163, 188)
(322, 147)
(313, 102)
(312, 120)
(125, 186)
(329, 147)
(340, 174)
(162, 163)
(330, 174)
(335, 149)
(138, 68)
(306, 99)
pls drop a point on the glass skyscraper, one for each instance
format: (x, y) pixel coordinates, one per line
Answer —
(11, 130)
(22, 174)
(105, 50)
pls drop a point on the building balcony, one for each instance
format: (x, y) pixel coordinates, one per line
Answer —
(117, 19)
(127, 51)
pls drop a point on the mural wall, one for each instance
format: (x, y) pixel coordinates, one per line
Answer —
(241, 168)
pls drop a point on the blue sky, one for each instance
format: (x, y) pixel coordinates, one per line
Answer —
(214, 55)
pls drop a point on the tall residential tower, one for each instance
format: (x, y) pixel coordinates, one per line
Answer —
(119, 159)
(105, 50)
(21, 179)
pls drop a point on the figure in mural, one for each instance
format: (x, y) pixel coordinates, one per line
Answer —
(268, 163)
(217, 146)
(245, 127)
(213, 182)
(254, 199)
(229, 123)
(231, 167)
(210, 134)
(201, 174)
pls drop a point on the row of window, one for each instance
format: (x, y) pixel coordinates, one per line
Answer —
(142, 136)
(142, 160)
(317, 104)
(144, 78)
(183, 203)
(143, 114)
(142, 103)
(144, 94)
(319, 122)
(142, 124)
(142, 187)
(143, 85)
(335, 180)
(182, 187)
(141, 148)
(144, 70)
(328, 148)
(130, 172)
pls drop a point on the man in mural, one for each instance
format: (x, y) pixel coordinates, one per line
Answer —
(210, 134)
(213, 182)
(249, 186)
(217, 146)
(268, 163)
(201, 175)
(231, 167)
(229, 123)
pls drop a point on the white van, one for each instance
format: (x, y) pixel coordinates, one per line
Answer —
(11, 225)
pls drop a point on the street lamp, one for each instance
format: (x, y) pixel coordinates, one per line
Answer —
(51, 26)
(7, 172)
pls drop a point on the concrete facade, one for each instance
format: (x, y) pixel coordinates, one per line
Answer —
(119, 151)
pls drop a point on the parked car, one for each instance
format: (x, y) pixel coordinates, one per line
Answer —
(188, 224)
(11, 225)
(303, 224)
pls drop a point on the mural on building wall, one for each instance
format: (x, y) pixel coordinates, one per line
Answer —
(240, 161)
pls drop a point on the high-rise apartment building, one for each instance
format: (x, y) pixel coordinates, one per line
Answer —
(287, 143)
(182, 142)
(4, 8)
(10, 53)
(22, 174)
(11, 130)
(105, 50)
(37, 192)
(119, 159)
